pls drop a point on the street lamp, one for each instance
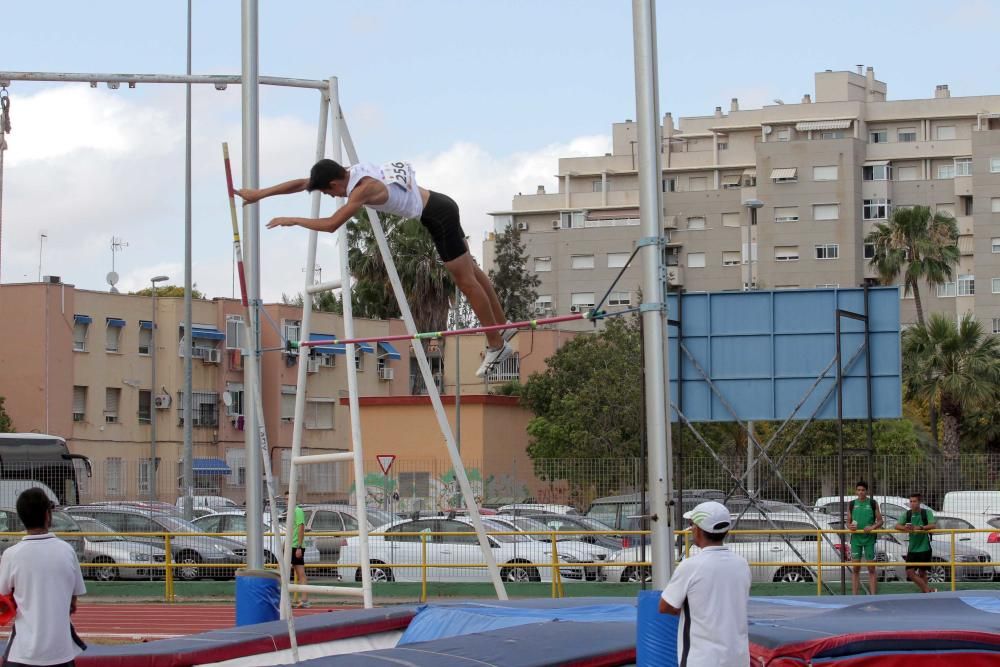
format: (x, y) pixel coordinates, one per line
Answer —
(152, 394)
(752, 205)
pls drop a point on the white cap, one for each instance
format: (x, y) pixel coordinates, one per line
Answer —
(710, 516)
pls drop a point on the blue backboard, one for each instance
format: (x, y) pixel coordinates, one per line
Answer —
(763, 350)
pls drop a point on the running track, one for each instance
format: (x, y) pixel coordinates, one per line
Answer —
(155, 621)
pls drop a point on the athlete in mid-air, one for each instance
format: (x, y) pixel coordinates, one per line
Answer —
(392, 188)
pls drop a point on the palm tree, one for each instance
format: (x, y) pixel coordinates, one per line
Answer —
(955, 367)
(917, 245)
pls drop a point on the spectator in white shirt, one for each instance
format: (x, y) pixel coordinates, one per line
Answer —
(710, 591)
(42, 573)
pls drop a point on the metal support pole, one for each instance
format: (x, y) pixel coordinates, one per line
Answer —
(251, 232)
(188, 472)
(656, 369)
(841, 488)
(869, 435)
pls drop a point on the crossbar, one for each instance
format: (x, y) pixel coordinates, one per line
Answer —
(335, 457)
(326, 590)
(214, 79)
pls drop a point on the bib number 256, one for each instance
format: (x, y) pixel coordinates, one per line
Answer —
(398, 173)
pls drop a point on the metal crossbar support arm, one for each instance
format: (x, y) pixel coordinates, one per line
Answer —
(216, 80)
(328, 286)
(337, 457)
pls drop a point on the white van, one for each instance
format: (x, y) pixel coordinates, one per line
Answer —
(217, 502)
(972, 502)
(10, 489)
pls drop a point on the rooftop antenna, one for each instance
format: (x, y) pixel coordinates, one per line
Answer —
(117, 245)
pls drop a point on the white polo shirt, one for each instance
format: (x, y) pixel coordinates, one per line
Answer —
(711, 589)
(44, 575)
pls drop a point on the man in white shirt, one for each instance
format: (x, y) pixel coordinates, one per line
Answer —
(42, 573)
(710, 591)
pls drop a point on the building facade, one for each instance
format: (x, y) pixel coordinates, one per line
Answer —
(777, 198)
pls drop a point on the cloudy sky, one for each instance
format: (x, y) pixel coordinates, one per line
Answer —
(482, 97)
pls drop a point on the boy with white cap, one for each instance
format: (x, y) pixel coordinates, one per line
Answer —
(710, 591)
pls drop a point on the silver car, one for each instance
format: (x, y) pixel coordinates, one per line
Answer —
(109, 551)
(235, 521)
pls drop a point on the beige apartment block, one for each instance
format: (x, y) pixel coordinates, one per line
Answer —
(821, 173)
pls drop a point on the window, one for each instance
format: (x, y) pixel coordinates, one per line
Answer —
(786, 213)
(876, 172)
(619, 299)
(543, 304)
(945, 132)
(319, 414)
(946, 171)
(877, 209)
(145, 406)
(581, 261)
(145, 337)
(617, 260)
(291, 330)
(880, 136)
(146, 472)
(113, 335)
(786, 253)
(598, 186)
(784, 134)
(869, 250)
(731, 220)
(236, 333)
(828, 286)
(995, 204)
(112, 397)
(359, 359)
(697, 184)
(946, 209)
(967, 285)
(582, 300)
(696, 260)
(571, 219)
(669, 184)
(828, 173)
(996, 327)
(827, 251)
(963, 166)
(723, 145)
(785, 175)
(79, 403)
(204, 408)
(696, 223)
(235, 407)
(826, 211)
(947, 290)
(236, 459)
(832, 134)
(995, 165)
(996, 285)
(907, 174)
(906, 135)
(732, 257)
(114, 483)
(414, 485)
(543, 264)
(80, 335)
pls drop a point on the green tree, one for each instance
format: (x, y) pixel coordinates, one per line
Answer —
(6, 423)
(170, 290)
(514, 284)
(956, 368)
(917, 245)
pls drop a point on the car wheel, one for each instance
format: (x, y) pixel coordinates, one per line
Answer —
(107, 571)
(519, 573)
(379, 574)
(633, 575)
(189, 570)
(793, 575)
(939, 574)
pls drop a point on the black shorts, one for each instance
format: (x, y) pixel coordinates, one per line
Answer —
(919, 557)
(441, 219)
(298, 560)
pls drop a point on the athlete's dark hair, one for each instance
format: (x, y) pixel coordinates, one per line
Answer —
(322, 173)
(915, 495)
(863, 484)
(32, 505)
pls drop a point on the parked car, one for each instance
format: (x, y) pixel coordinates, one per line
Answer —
(965, 552)
(188, 547)
(624, 512)
(515, 554)
(110, 551)
(235, 521)
(988, 542)
(208, 501)
(62, 523)
(972, 502)
(566, 543)
(536, 508)
(336, 518)
(578, 528)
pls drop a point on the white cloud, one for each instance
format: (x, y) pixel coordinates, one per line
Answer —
(85, 165)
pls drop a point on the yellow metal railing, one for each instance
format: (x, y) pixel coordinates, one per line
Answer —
(555, 565)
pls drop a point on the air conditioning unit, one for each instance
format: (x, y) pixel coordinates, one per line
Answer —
(670, 222)
(161, 401)
(522, 226)
(386, 373)
(312, 366)
(555, 224)
(542, 310)
(675, 276)
(212, 356)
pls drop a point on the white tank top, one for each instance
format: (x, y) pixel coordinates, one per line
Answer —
(404, 195)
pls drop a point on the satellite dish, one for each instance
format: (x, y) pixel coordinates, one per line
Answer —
(227, 398)
(112, 278)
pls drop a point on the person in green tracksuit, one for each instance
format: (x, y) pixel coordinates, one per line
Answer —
(918, 521)
(865, 517)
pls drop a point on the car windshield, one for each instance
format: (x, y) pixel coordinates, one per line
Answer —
(93, 526)
(495, 526)
(61, 523)
(377, 517)
(532, 525)
(591, 523)
(175, 524)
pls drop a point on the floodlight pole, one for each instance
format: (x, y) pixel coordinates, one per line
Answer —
(654, 313)
(188, 465)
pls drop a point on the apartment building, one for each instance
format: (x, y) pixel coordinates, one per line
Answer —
(777, 198)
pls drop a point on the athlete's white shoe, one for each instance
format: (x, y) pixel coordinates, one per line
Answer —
(494, 357)
(508, 333)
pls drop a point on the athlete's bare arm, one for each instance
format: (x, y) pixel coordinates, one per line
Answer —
(250, 195)
(368, 192)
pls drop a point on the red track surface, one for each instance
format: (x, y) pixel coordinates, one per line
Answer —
(155, 621)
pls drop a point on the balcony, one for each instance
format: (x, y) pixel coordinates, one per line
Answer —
(912, 150)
